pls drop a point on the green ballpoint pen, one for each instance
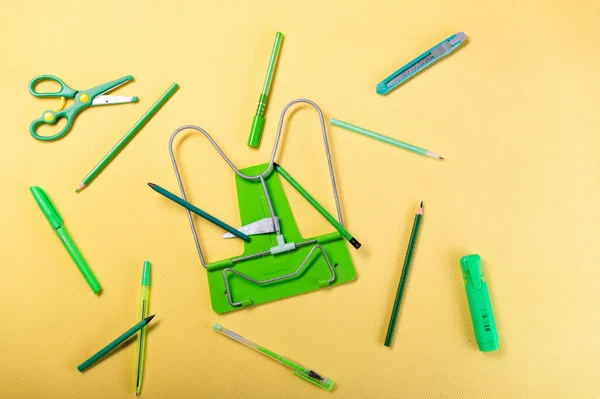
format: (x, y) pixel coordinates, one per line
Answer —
(56, 222)
(296, 368)
(258, 121)
(141, 342)
(118, 341)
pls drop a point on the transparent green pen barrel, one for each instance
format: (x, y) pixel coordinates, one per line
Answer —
(480, 305)
(141, 342)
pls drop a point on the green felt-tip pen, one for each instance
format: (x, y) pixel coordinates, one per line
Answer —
(480, 305)
(296, 368)
(56, 223)
(141, 341)
(258, 122)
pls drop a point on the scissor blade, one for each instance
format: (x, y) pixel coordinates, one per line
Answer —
(107, 100)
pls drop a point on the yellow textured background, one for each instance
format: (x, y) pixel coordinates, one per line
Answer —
(514, 111)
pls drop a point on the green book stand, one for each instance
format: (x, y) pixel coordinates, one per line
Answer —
(273, 265)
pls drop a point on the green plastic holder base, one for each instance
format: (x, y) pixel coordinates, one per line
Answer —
(314, 275)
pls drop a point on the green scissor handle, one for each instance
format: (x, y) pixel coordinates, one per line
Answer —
(65, 91)
(50, 117)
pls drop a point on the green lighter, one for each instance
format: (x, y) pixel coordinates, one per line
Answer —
(479, 303)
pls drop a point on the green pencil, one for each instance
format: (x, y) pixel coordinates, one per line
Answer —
(198, 211)
(407, 259)
(282, 172)
(385, 139)
(127, 138)
(122, 338)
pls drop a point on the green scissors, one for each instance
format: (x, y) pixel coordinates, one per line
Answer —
(83, 99)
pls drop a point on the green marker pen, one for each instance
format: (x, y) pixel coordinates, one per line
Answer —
(480, 305)
(296, 368)
(56, 223)
(258, 121)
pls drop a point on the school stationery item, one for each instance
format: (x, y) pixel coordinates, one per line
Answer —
(282, 172)
(198, 211)
(385, 139)
(127, 138)
(82, 100)
(56, 222)
(281, 263)
(297, 368)
(258, 121)
(405, 268)
(426, 59)
(141, 341)
(263, 226)
(480, 305)
(118, 341)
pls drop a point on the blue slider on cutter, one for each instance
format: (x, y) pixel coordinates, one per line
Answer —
(421, 62)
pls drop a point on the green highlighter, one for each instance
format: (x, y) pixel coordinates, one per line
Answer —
(480, 305)
(56, 223)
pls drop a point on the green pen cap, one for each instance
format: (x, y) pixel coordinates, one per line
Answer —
(46, 206)
(146, 273)
(258, 123)
(480, 305)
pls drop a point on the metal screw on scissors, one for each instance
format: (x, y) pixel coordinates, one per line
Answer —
(83, 99)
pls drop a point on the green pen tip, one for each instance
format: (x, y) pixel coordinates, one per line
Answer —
(217, 327)
(135, 99)
(151, 184)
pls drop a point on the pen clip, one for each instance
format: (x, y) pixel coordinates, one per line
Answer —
(47, 207)
(471, 265)
(315, 381)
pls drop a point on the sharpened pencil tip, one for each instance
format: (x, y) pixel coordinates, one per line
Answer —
(442, 158)
(151, 185)
(421, 204)
(149, 318)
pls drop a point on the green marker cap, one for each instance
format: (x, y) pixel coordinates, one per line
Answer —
(146, 273)
(480, 305)
(258, 123)
(46, 206)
